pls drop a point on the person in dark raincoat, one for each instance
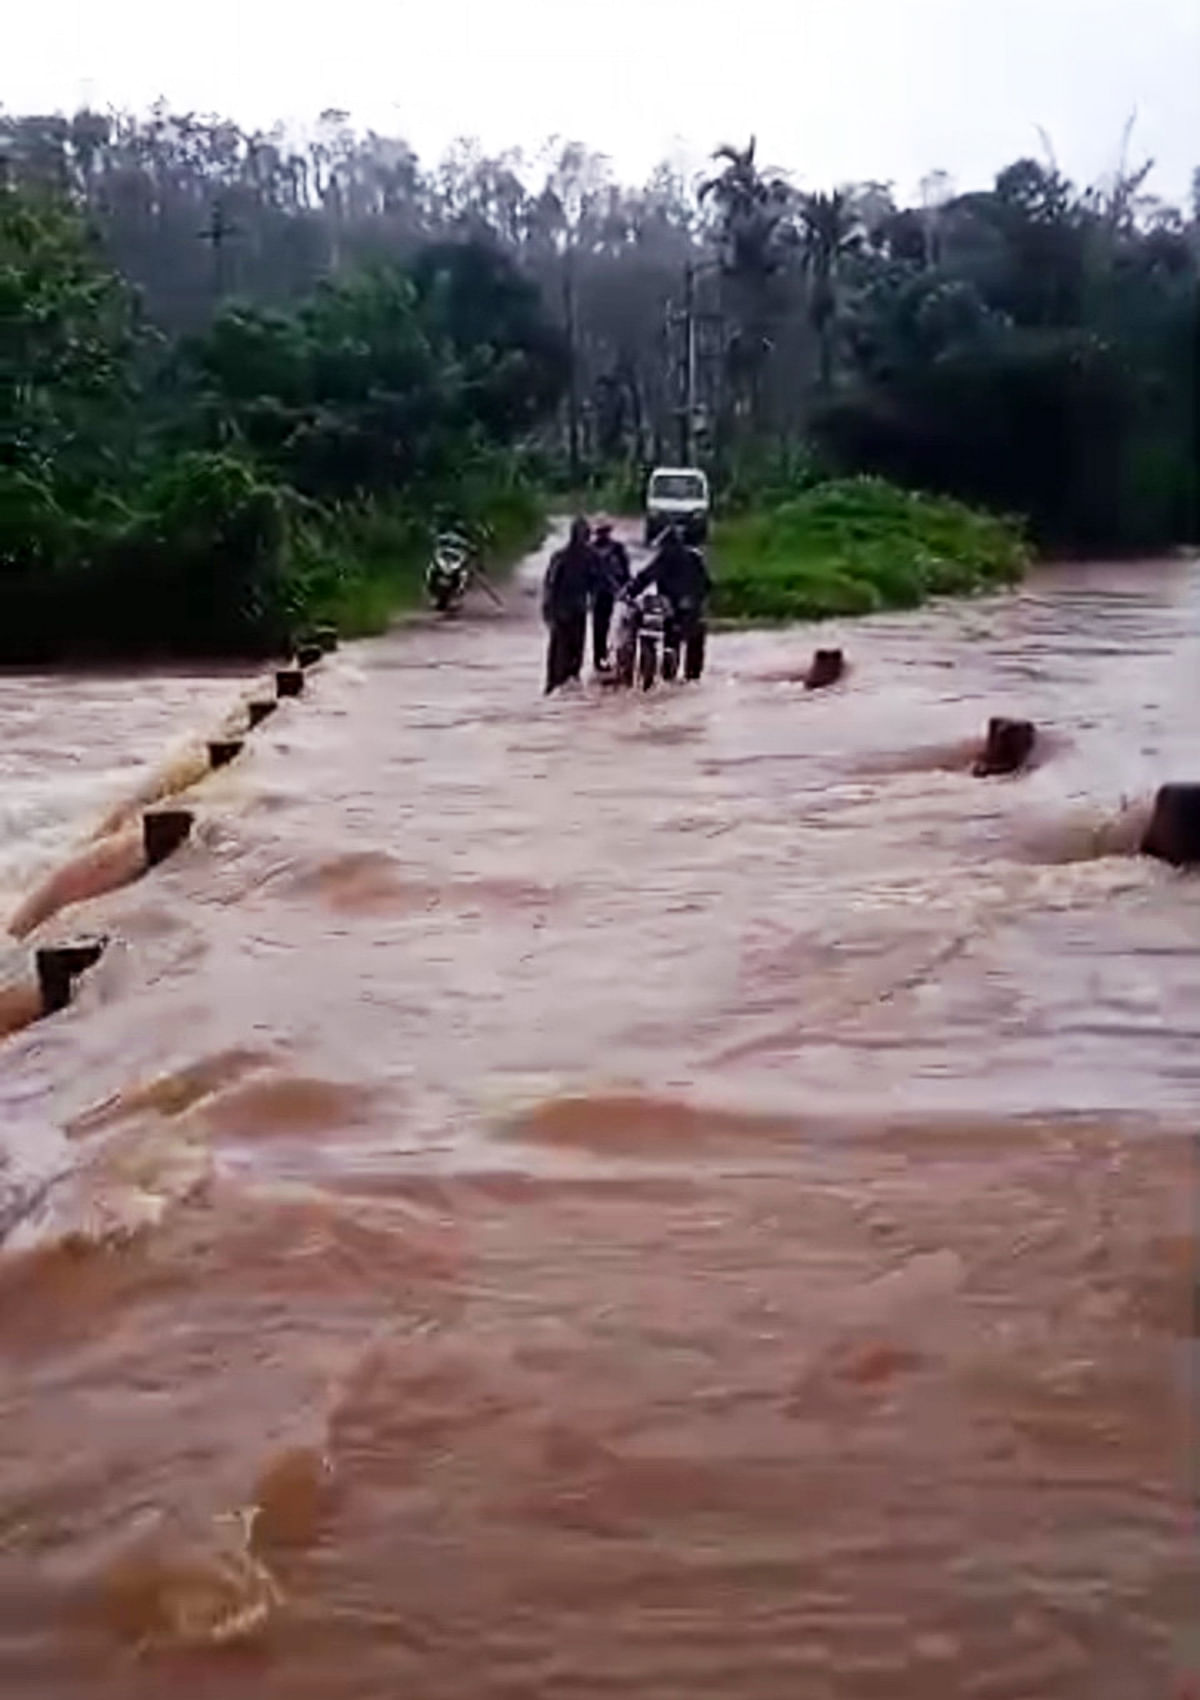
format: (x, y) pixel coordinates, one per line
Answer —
(567, 591)
(679, 572)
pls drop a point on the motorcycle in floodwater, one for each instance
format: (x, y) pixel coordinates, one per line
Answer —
(653, 641)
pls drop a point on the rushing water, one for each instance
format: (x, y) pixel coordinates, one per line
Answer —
(686, 1196)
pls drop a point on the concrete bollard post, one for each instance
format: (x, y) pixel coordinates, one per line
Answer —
(308, 654)
(258, 710)
(1173, 834)
(1007, 747)
(60, 965)
(828, 666)
(163, 831)
(221, 751)
(289, 682)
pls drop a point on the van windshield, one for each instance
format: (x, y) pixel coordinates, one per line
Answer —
(677, 487)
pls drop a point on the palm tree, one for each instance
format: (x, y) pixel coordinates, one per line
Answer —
(831, 233)
(754, 208)
(754, 229)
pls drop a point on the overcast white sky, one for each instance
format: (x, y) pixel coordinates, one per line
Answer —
(836, 89)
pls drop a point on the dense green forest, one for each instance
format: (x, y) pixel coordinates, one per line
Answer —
(242, 375)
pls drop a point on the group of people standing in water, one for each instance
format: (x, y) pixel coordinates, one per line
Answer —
(590, 573)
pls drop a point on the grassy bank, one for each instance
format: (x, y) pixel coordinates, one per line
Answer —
(216, 562)
(359, 567)
(857, 546)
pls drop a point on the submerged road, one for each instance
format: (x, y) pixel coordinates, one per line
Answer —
(683, 1195)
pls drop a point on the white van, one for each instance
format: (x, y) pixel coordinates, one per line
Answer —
(677, 495)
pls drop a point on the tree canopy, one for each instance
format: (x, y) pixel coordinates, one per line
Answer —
(351, 324)
(198, 494)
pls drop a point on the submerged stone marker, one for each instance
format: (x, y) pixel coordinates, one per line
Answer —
(163, 831)
(221, 751)
(309, 654)
(1007, 747)
(289, 682)
(827, 667)
(60, 965)
(1173, 834)
(258, 710)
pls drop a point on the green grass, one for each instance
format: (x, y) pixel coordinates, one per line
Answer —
(857, 546)
(360, 567)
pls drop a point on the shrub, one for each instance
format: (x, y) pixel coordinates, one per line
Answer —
(196, 567)
(856, 545)
(357, 563)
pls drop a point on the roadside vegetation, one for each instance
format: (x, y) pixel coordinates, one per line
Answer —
(245, 376)
(856, 546)
(215, 493)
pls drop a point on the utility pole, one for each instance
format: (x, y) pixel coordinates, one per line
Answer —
(573, 374)
(687, 443)
(216, 233)
(683, 319)
(690, 322)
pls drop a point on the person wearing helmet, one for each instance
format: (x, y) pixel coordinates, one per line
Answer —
(567, 590)
(612, 576)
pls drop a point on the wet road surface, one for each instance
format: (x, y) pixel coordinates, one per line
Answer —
(677, 1195)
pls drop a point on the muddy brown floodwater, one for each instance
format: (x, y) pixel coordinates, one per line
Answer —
(677, 1196)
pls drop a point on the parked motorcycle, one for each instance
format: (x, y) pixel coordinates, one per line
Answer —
(449, 572)
(456, 565)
